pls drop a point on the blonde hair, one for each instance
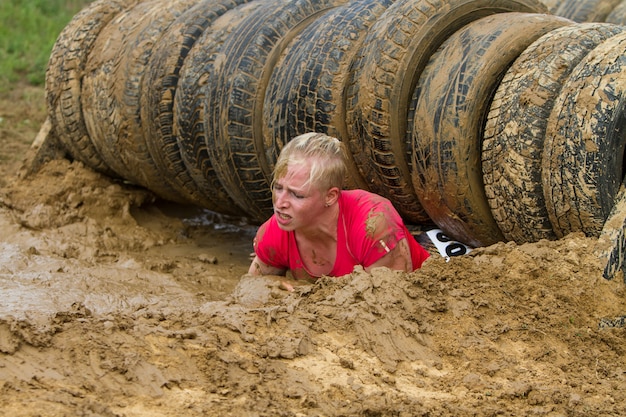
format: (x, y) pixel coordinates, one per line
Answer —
(325, 153)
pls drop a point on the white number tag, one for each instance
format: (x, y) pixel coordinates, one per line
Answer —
(446, 246)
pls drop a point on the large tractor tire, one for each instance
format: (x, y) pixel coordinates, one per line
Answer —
(387, 68)
(583, 158)
(64, 78)
(112, 88)
(517, 123)
(158, 90)
(453, 97)
(306, 90)
(189, 106)
(234, 101)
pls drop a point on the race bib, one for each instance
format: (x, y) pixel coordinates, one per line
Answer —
(446, 246)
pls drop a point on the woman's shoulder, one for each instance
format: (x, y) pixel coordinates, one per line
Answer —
(360, 207)
(362, 200)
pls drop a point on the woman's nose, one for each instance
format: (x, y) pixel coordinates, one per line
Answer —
(279, 199)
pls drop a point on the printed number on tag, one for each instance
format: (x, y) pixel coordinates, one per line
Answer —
(446, 246)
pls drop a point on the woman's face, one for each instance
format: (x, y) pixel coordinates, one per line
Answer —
(297, 204)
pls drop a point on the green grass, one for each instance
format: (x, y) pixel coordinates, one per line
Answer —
(28, 31)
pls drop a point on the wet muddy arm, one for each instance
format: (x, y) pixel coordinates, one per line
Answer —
(258, 267)
(398, 258)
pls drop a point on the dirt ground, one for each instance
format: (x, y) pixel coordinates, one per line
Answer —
(114, 304)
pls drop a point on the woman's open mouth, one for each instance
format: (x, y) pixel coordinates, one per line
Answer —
(282, 217)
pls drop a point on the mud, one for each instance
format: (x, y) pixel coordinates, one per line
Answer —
(118, 304)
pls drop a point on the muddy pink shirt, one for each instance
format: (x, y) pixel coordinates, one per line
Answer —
(368, 227)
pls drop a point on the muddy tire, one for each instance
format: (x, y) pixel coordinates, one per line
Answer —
(583, 158)
(64, 76)
(453, 98)
(189, 106)
(586, 10)
(306, 90)
(113, 87)
(158, 90)
(618, 14)
(102, 104)
(516, 126)
(388, 65)
(234, 101)
(551, 5)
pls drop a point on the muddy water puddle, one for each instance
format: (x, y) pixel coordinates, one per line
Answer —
(198, 257)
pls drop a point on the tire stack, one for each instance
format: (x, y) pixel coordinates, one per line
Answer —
(495, 120)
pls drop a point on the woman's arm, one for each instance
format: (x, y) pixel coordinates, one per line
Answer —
(398, 258)
(258, 267)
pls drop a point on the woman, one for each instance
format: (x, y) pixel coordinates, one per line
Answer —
(319, 229)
